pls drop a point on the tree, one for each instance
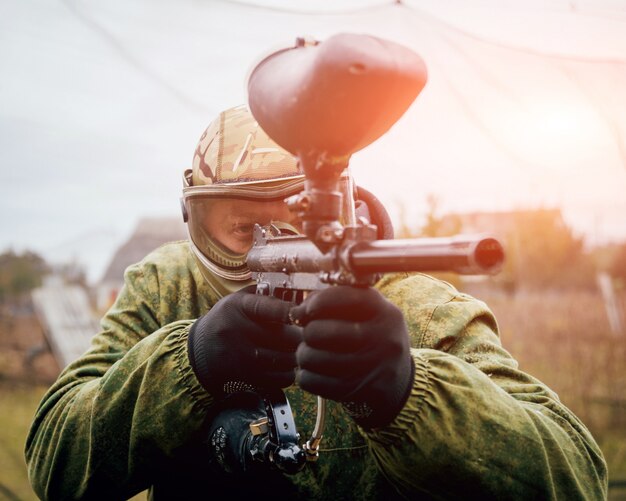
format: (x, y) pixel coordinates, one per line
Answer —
(437, 225)
(20, 273)
(434, 226)
(543, 251)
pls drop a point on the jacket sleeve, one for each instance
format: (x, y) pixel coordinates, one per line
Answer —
(115, 415)
(474, 422)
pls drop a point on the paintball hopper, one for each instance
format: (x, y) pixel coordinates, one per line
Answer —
(323, 101)
(330, 99)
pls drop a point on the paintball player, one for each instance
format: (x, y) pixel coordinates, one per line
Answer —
(424, 402)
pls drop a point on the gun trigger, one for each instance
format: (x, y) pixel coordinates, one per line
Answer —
(293, 320)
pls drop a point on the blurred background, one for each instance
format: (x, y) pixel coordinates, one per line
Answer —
(520, 132)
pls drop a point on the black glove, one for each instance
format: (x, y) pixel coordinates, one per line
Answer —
(244, 342)
(355, 350)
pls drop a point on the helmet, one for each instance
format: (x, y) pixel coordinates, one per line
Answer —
(235, 162)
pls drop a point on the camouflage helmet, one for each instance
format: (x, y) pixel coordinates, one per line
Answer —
(234, 159)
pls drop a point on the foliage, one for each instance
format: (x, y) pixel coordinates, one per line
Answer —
(542, 251)
(436, 225)
(72, 273)
(20, 273)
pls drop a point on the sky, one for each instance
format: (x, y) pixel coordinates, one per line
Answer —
(102, 104)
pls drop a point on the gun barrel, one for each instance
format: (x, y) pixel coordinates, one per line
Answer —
(471, 255)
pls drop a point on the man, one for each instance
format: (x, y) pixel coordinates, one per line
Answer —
(424, 401)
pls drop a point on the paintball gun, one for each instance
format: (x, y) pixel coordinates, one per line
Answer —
(323, 101)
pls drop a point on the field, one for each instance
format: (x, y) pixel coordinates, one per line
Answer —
(562, 338)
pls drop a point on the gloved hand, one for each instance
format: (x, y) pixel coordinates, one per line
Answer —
(355, 350)
(244, 342)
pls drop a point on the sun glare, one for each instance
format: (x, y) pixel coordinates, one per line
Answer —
(553, 134)
(555, 123)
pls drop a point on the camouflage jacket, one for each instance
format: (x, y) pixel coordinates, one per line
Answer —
(128, 415)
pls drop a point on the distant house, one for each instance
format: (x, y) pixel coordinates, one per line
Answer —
(149, 234)
(66, 318)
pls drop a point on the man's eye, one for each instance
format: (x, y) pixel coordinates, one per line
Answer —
(243, 230)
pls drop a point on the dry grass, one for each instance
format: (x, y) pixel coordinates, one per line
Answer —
(17, 408)
(564, 339)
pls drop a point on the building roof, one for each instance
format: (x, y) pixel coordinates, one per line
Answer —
(65, 316)
(149, 234)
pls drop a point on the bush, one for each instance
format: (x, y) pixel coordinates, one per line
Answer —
(20, 273)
